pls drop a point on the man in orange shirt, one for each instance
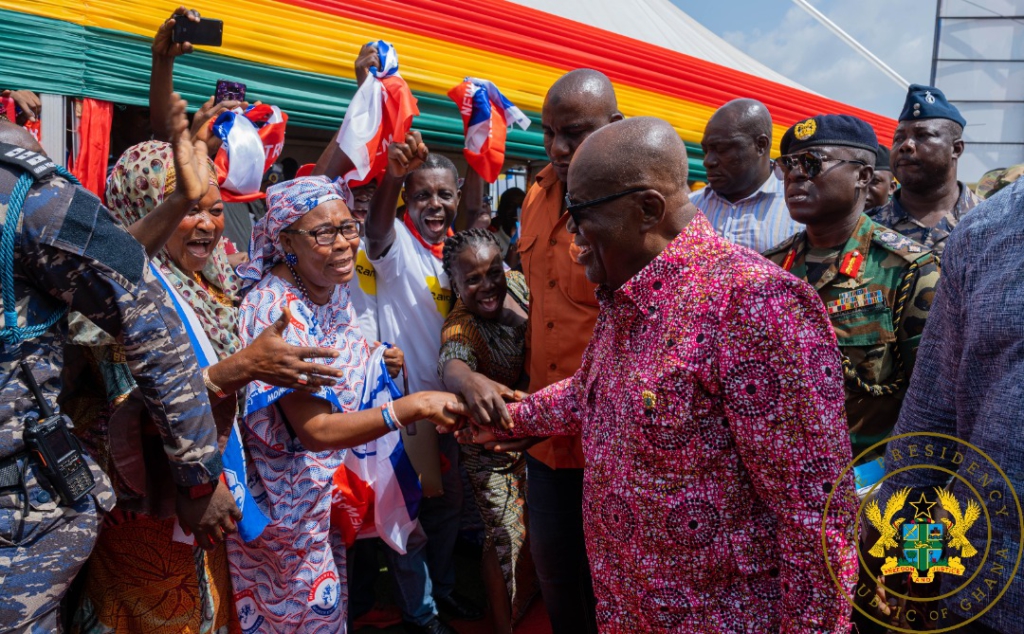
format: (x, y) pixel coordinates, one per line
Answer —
(563, 310)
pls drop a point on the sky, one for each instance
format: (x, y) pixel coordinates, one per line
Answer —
(782, 36)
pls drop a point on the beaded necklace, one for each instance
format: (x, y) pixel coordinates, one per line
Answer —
(305, 297)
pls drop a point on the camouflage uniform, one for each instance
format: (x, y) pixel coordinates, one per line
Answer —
(861, 290)
(895, 217)
(69, 251)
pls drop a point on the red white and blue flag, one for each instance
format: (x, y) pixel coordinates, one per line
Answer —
(377, 491)
(251, 142)
(380, 112)
(486, 116)
(234, 475)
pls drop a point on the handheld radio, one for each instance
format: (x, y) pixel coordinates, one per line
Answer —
(58, 453)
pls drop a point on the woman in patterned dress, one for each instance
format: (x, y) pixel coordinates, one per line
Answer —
(302, 258)
(484, 339)
(144, 574)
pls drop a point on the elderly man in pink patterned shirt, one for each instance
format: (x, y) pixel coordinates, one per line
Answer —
(710, 401)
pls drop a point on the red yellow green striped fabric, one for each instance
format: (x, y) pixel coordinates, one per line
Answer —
(300, 55)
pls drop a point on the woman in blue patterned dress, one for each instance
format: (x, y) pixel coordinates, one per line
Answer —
(292, 578)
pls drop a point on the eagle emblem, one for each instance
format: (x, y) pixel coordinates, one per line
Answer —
(926, 543)
(805, 129)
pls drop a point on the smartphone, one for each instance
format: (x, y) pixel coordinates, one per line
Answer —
(229, 91)
(205, 32)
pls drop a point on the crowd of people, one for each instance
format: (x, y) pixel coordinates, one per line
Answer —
(666, 407)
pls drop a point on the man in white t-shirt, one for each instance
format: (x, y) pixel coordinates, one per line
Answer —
(364, 286)
(413, 299)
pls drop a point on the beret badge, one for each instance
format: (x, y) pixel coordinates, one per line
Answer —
(805, 130)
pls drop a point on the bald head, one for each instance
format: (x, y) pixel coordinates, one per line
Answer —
(627, 184)
(749, 116)
(14, 134)
(642, 151)
(580, 102)
(737, 143)
(584, 84)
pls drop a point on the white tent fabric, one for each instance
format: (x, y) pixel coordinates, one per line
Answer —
(661, 23)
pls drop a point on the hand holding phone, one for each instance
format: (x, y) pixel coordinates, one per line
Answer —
(205, 32)
(229, 91)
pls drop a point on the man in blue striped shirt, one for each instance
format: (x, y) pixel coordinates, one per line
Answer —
(743, 201)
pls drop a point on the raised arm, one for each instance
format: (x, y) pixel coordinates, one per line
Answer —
(380, 222)
(333, 162)
(192, 182)
(161, 80)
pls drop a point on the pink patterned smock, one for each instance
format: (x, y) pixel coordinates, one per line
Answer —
(710, 401)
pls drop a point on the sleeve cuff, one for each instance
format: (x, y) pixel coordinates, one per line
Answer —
(189, 474)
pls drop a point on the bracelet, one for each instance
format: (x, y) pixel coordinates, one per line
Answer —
(210, 385)
(394, 416)
(389, 420)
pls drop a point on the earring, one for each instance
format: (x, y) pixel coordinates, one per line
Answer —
(291, 258)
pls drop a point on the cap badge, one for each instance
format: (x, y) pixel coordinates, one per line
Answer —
(929, 97)
(805, 130)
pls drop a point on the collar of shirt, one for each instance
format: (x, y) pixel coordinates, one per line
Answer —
(859, 242)
(643, 289)
(771, 187)
(547, 178)
(964, 203)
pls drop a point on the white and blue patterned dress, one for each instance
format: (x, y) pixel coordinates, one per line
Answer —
(292, 578)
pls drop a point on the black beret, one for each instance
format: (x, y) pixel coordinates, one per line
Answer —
(830, 129)
(882, 159)
(928, 102)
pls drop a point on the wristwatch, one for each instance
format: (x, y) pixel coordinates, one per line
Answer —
(197, 491)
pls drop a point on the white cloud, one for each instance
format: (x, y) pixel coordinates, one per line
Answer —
(898, 31)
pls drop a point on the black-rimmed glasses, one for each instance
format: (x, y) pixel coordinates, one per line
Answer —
(809, 162)
(325, 236)
(573, 207)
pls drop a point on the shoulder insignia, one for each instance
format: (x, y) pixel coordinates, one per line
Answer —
(38, 165)
(851, 263)
(899, 244)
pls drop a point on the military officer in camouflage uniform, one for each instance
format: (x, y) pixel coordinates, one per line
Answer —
(925, 149)
(69, 252)
(876, 285)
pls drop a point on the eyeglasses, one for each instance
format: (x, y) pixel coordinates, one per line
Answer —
(325, 236)
(574, 208)
(809, 162)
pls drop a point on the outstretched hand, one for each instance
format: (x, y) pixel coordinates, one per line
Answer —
(190, 158)
(477, 435)
(406, 157)
(276, 362)
(486, 400)
(163, 42)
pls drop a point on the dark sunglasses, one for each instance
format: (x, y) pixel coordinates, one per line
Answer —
(809, 162)
(574, 208)
(325, 236)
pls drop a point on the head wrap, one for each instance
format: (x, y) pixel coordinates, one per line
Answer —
(141, 178)
(286, 203)
(829, 129)
(928, 102)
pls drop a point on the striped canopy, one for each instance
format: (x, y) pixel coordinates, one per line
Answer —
(298, 54)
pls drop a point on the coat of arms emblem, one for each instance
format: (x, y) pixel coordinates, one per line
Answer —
(925, 545)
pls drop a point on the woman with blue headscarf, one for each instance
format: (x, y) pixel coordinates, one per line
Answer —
(302, 257)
